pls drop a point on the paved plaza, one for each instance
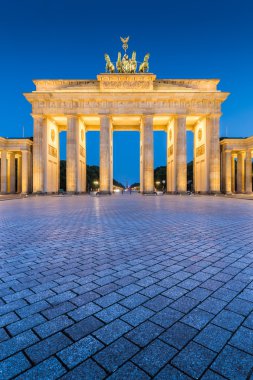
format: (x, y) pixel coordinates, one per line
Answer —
(126, 287)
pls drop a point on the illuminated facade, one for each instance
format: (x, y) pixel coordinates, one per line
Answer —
(126, 101)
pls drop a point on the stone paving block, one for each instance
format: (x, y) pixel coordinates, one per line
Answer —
(228, 320)
(79, 351)
(51, 327)
(129, 372)
(224, 294)
(153, 290)
(112, 331)
(171, 373)
(116, 354)
(212, 305)
(199, 294)
(47, 347)
(153, 357)
(83, 328)
(243, 340)
(129, 289)
(178, 335)
(84, 311)
(144, 333)
(56, 311)
(249, 321)
(194, 359)
(137, 315)
(88, 370)
(3, 335)
(210, 375)
(32, 309)
(240, 306)
(17, 295)
(233, 364)
(8, 318)
(112, 312)
(18, 343)
(11, 367)
(175, 292)
(25, 324)
(184, 304)
(109, 299)
(213, 337)
(197, 318)
(4, 309)
(166, 317)
(158, 303)
(50, 369)
(133, 301)
(58, 298)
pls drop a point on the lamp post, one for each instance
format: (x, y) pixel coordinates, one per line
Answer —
(96, 183)
(163, 182)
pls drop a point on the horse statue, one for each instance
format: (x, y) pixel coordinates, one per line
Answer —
(118, 63)
(144, 66)
(109, 67)
(125, 64)
(133, 63)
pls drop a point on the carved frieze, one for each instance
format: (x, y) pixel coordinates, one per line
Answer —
(126, 82)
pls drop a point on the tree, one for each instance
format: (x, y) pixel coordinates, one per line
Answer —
(92, 174)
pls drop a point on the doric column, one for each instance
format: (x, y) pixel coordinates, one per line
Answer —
(106, 168)
(228, 171)
(81, 157)
(233, 173)
(38, 153)
(180, 154)
(19, 175)
(241, 172)
(72, 121)
(147, 154)
(3, 171)
(213, 128)
(248, 171)
(25, 172)
(12, 172)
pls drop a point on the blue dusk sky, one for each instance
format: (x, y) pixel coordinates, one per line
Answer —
(54, 39)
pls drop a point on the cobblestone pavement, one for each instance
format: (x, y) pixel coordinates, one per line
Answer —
(126, 287)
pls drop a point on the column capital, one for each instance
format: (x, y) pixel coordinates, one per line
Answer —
(72, 116)
(38, 116)
(179, 116)
(214, 115)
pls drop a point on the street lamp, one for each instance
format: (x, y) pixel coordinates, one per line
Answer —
(163, 182)
(96, 183)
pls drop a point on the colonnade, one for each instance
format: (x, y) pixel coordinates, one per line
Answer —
(46, 153)
(237, 166)
(16, 166)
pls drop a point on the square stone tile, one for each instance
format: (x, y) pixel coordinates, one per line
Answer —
(153, 357)
(194, 359)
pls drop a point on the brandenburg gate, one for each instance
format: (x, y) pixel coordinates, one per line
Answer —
(123, 100)
(126, 101)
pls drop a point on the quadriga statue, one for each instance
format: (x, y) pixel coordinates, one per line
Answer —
(109, 67)
(144, 66)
